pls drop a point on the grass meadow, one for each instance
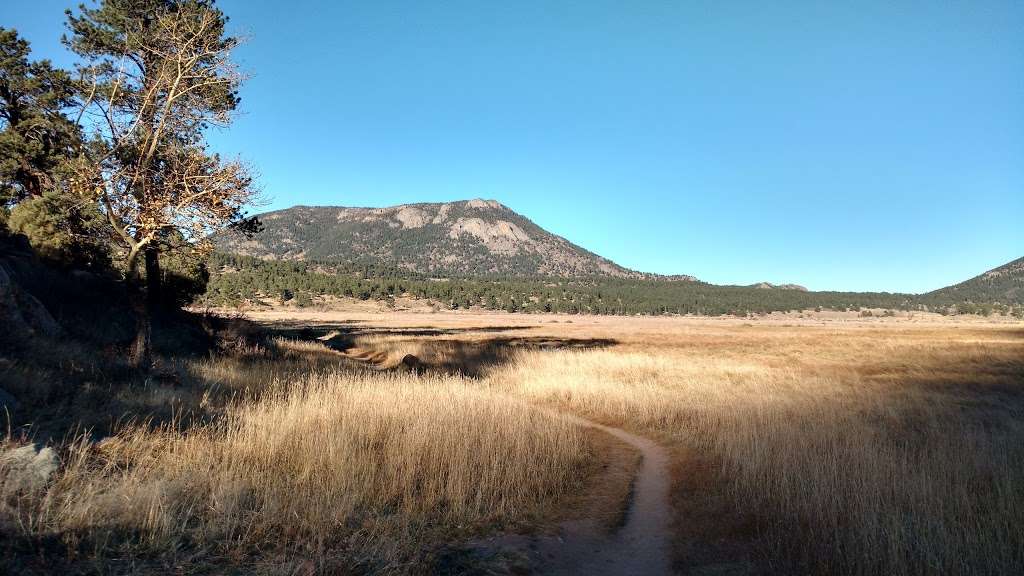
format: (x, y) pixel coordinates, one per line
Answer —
(822, 447)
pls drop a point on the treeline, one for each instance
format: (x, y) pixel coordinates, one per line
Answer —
(237, 279)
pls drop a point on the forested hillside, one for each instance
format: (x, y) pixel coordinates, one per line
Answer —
(466, 238)
(1004, 284)
(236, 279)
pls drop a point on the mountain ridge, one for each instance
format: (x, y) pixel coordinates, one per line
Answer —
(461, 238)
(483, 237)
(1003, 284)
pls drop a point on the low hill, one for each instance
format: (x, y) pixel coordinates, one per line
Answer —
(1004, 284)
(452, 239)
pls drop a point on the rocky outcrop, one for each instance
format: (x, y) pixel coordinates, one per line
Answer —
(770, 286)
(21, 313)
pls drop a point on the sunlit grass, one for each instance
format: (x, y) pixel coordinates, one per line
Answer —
(858, 449)
(378, 465)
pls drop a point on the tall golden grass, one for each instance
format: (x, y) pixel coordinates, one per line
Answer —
(861, 453)
(866, 448)
(376, 468)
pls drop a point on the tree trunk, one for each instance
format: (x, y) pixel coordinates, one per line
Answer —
(146, 307)
(142, 347)
(154, 281)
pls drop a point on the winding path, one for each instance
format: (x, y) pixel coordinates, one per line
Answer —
(641, 547)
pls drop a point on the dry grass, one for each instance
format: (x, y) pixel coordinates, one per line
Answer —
(379, 467)
(861, 452)
(851, 447)
(858, 447)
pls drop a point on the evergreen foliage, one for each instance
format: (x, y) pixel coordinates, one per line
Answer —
(183, 271)
(64, 230)
(236, 279)
(1002, 285)
(36, 137)
(156, 74)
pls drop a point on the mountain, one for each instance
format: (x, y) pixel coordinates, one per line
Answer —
(1004, 284)
(466, 238)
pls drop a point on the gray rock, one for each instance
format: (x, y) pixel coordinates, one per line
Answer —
(21, 311)
(24, 469)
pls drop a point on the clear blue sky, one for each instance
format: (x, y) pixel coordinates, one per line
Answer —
(840, 145)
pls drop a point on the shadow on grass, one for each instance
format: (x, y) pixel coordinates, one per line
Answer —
(300, 330)
(469, 351)
(468, 357)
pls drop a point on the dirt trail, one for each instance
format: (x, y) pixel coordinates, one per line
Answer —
(640, 547)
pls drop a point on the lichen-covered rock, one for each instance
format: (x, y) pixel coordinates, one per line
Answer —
(24, 469)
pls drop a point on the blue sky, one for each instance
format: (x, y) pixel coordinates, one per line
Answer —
(840, 145)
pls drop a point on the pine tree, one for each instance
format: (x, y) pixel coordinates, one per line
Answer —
(36, 138)
(156, 74)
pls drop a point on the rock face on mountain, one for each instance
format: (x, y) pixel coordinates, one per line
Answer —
(770, 286)
(1003, 284)
(467, 238)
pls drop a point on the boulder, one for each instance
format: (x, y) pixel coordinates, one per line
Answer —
(21, 312)
(411, 362)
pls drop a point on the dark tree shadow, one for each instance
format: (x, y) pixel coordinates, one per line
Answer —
(475, 358)
(469, 351)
